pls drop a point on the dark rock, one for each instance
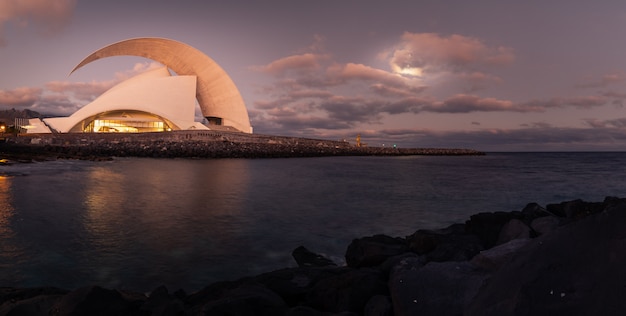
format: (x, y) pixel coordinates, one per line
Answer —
(438, 288)
(487, 226)
(372, 251)
(494, 258)
(304, 311)
(532, 211)
(544, 225)
(34, 306)
(577, 269)
(349, 291)
(575, 209)
(13, 294)
(391, 262)
(449, 244)
(161, 303)
(513, 229)
(378, 305)
(293, 284)
(306, 258)
(95, 300)
(248, 299)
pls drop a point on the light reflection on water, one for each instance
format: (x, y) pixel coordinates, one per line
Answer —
(140, 223)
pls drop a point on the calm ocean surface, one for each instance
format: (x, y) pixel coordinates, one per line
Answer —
(139, 223)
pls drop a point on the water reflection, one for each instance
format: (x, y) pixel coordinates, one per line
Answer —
(8, 250)
(152, 206)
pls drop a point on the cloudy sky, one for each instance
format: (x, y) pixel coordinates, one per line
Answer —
(489, 75)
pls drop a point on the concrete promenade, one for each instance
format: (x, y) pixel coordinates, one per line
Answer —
(196, 144)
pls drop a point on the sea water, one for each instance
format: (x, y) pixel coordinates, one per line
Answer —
(137, 223)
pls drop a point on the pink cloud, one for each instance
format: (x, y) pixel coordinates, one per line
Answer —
(434, 53)
(303, 62)
(20, 97)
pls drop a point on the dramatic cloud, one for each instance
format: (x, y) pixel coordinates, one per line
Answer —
(422, 53)
(47, 16)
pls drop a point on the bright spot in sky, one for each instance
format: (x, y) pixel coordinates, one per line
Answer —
(411, 71)
(407, 70)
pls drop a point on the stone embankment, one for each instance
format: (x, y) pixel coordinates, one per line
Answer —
(564, 259)
(196, 144)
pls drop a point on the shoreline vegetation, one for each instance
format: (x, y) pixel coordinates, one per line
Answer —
(562, 259)
(192, 144)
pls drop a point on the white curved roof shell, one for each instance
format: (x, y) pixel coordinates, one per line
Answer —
(157, 92)
(216, 93)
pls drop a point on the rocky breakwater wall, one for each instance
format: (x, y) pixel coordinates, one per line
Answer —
(198, 144)
(564, 259)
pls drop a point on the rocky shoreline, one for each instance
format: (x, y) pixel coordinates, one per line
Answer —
(562, 259)
(193, 144)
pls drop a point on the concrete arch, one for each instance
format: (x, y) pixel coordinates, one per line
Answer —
(216, 92)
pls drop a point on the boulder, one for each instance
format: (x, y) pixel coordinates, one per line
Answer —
(449, 244)
(544, 225)
(378, 305)
(487, 226)
(33, 306)
(348, 292)
(292, 284)
(306, 258)
(575, 209)
(532, 211)
(494, 258)
(438, 288)
(95, 300)
(513, 229)
(373, 250)
(161, 303)
(246, 300)
(577, 269)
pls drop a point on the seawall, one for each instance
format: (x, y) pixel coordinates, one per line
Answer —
(196, 144)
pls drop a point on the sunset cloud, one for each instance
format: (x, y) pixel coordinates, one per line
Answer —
(46, 16)
(20, 97)
(434, 53)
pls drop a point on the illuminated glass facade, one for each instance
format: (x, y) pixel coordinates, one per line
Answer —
(125, 122)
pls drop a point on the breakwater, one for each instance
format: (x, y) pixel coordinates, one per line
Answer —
(197, 144)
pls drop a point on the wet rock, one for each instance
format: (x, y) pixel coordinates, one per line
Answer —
(513, 229)
(438, 288)
(306, 258)
(95, 300)
(348, 292)
(372, 251)
(449, 244)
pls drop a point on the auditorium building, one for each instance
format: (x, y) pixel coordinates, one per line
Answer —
(157, 101)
